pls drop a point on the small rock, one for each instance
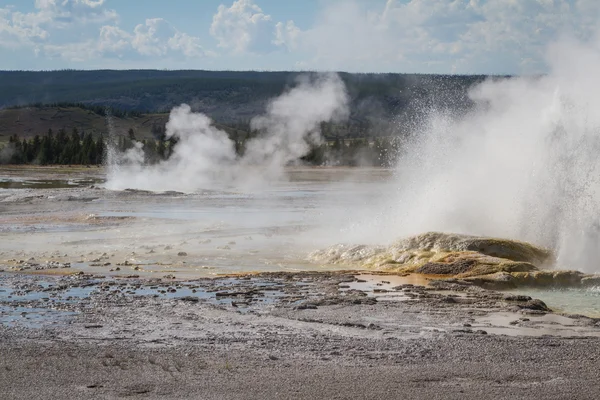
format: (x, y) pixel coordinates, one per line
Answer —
(182, 254)
(448, 299)
(191, 299)
(515, 297)
(535, 304)
(306, 306)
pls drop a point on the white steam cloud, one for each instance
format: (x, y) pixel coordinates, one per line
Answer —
(205, 156)
(525, 164)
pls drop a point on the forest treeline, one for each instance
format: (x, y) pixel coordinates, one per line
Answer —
(236, 96)
(50, 149)
(100, 110)
(77, 148)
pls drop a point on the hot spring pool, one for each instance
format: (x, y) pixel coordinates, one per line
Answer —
(583, 301)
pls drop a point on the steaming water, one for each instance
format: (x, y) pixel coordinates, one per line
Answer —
(219, 231)
(522, 164)
(583, 301)
(12, 183)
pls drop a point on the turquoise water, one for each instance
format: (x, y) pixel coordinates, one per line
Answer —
(583, 301)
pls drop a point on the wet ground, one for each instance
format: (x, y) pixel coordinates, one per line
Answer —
(285, 335)
(210, 232)
(210, 295)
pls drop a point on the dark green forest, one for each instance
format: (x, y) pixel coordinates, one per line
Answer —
(50, 149)
(77, 148)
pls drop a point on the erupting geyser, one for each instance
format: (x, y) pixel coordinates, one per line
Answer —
(522, 164)
(205, 157)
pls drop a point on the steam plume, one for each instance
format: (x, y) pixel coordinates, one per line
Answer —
(524, 164)
(205, 156)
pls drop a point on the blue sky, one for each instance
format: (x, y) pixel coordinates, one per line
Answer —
(428, 36)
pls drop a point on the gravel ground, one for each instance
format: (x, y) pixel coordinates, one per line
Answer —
(278, 336)
(112, 314)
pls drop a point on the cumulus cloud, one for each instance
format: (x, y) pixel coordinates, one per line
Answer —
(428, 36)
(461, 36)
(62, 13)
(155, 37)
(16, 32)
(18, 29)
(286, 35)
(151, 38)
(242, 27)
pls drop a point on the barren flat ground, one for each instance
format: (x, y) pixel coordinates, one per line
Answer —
(110, 294)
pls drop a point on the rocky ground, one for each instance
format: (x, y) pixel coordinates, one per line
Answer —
(286, 335)
(107, 295)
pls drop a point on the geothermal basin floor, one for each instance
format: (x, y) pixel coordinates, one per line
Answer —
(153, 295)
(284, 335)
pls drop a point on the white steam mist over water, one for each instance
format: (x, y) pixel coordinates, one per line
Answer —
(525, 164)
(205, 157)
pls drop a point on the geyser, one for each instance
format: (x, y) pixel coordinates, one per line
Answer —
(523, 164)
(205, 157)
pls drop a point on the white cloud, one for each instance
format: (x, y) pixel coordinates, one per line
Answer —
(462, 36)
(154, 38)
(18, 29)
(113, 40)
(151, 38)
(286, 35)
(15, 32)
(188, 45)
(242, 27)
(157, 37)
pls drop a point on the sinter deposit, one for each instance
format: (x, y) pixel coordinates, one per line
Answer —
(499, 263)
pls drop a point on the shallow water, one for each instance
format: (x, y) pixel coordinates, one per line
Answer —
(210, 232)
(506, 323)
(17, 183)
(583, 301)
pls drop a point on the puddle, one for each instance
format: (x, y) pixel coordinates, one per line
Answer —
(511, 324)
(13, 183)
(582, 301)
(46, 292)
(39, 302)
(32, 317)
(385, 287)
(244, 295)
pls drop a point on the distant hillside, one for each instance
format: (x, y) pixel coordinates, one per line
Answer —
(30, 121)
(230, 96)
